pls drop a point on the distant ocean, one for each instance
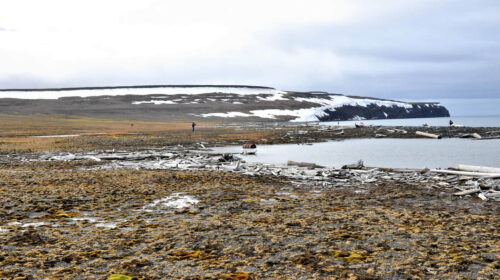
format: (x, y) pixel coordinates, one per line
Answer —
(479, 121)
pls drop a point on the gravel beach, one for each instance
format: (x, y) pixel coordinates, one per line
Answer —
(179, 212)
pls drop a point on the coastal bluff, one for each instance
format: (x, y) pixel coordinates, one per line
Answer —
(238, 103)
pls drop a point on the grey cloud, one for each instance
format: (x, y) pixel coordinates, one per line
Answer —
(449, 50)
(446, 50)
(25, 81)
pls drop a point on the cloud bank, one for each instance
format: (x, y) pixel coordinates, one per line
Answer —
(409, 50)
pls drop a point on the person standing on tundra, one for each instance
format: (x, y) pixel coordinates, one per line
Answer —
(193, 125)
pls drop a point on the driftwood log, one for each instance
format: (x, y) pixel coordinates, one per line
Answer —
(465, 173)
(467, 192)
(474, 168)
(482, 196)
(357, 165)
(430, 135)
(303, 164)
(471, 135)
(340, 133)
(249, 151)
(475, 135)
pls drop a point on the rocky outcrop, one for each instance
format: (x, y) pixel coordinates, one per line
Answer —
(374, 111)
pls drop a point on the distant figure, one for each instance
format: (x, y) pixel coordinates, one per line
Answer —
(451, 122)
(193, 125)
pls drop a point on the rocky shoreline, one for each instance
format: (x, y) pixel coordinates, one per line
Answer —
(182, 212)
(167, 207)
(200, 158)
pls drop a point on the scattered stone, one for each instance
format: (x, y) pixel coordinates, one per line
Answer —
(319, 222)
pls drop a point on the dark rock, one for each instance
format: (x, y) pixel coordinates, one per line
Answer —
(357, 165)
(227, 158)
(373, 112)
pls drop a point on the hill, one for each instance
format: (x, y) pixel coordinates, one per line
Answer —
(209, 103)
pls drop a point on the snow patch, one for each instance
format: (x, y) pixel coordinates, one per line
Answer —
(176, 200)
(358, 118)
(340, 100)
(330, 102)
(302, 115)
(69, 157)
(106, 225)
(274, 97)
(63, 157)
(33, 224)
(55, 94)
(89, 219)
(69, 135)
(27, 224)
(57, 136)
(227, 115)
(156, 102)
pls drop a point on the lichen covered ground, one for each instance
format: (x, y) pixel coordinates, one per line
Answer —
(61, 220)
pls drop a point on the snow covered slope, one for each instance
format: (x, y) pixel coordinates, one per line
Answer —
(205, 102)
(324, 106)
(134, 90)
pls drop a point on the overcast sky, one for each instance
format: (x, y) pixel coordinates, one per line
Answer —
(447, 50)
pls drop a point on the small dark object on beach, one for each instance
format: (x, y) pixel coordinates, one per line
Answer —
(249, 146)
(227, 158)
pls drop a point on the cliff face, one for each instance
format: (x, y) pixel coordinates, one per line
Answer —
(373, 112)
(211, 103)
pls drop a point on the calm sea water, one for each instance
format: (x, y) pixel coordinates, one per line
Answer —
(402, 153)
(466, 121)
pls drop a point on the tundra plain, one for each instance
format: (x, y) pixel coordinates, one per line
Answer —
(80, 219)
